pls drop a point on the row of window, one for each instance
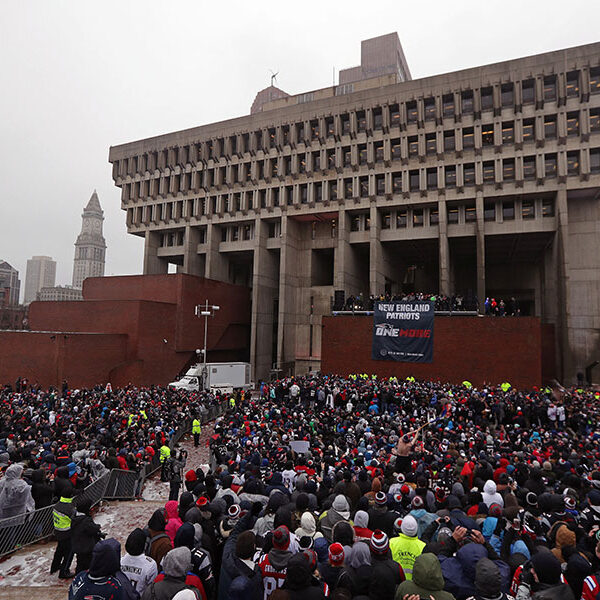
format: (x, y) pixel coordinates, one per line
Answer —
(530, 91)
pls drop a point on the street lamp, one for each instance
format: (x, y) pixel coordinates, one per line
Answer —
(205, 310)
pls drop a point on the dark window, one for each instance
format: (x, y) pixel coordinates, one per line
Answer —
(386, 220)
(394, 115)
(550, 88)
(432, 178)
(411, 112)
(300, 131)
(355, 223)
(453, 215)
(595, 119)
(364, 186)
(489, 211)
(529, 167)
(572, 84)
(345, 124)
(467, 102)
(450, 176)
(379, 152)
(275, 197)
(550, 165)
(318, 192)
(377, 118)
(448, 105)
(285, 130)
(413, 146)
(528, 130)
(429, 109)
(528, 89)
(449, 141)
(573, 123)
(470, 213)
(362, 155)
(550, 127)
(361, 121)
(329, 126)
(430, 143)
(508, 169)
(508, 133)
(302, 163)
(528, 209)
(469, 174)
(287, 165)
(396, 150)
(487, 134)
(223, 234)
(347, 188)
(595, 160)
(487, 98)
(573, 162)
(468, 138)
(396, 183)
(316, 161)
(314, 130)
(595, 80)
(547, 208)
(303, 194)
(507, 94)
(489, 171)
(380, 184)
(401, 218)
(333, 190)
(347, 157)
(434, 216)
(508, 211)
(413, 180)
(417, 217)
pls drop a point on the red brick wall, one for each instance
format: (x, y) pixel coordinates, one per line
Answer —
(475, 348)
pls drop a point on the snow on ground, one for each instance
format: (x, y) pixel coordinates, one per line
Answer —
(30, 567)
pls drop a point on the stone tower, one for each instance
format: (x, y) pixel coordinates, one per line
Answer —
(90, 247)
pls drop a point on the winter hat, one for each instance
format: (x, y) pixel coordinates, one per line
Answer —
(361, 519)
(245, 545)
(234, 511)
(185, 595)
(336, 555)
(311, 557)
(380, 499)
(379, 543)
(135, 543)
(495, 510)
(570, 502)
(546, 566)
(444, 534)
(340, 504)
(306, 542)
(400, 478)
(281, 538)
(417, 503)
(177, 562)
(202, 501)
(488, 580)
(531, 499)
(410, 526)
(594, 498)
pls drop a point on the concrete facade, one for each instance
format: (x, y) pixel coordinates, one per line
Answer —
(59, 293)
(41, 272)
(482, 182)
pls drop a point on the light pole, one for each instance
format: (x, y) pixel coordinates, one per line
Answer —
(205, 310)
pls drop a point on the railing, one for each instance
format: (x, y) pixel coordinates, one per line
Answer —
(117, 484)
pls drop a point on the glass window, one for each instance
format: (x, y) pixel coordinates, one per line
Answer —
(489, 211)
(470, 213)
(314, 129)
(364, 186)
(394, 115)
(377, 118)
(333, 190)
(331, 158)
(547, 208)
(528, 130)
(528, 209)
(348, 188)
(508, 132)
(450, 176)
(362, 155)
(529, 167)
(396, 183)
(347, 155)
(434, 216)
(448, 105)
(528, 91)
(550, 127)
(300, 129)
(573, 123)
(595, 119)
(487, 98)
(466, 99)
(401, 218)
(345, 124)
(507, 94)
(468, 138)
(449, 141)
(453, 215)
(595, 160)
(573, 162)
(489, 171)
(329, 126)
(595, 80)
(429, 109)
(430, 143)
(508, 211)
(550, 88)
(508, 169)
(380, 184)
(396, 150)
(386, 220)
(572, 84)
(303, 194)
(469, 174)
(413, 146)
(487, 134)
(301, 164)
(432, 179)
(417, 217)
(355, 223)
(550, 165)
(316, 162)
(378, 152)
(413, 180)
(411, 111)
(361, 121)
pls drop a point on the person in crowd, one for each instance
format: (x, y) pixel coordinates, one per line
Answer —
(84, 535)
(62, 515)
(141, 570)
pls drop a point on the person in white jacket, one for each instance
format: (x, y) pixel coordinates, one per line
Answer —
(490, 495)
(138, 568)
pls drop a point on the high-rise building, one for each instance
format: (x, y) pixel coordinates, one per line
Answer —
(483, 182)
(10, 286)
(41, 272)
(90, 247)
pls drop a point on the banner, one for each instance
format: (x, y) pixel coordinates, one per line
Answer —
(403, 331)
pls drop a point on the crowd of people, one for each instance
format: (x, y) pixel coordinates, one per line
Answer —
(357, 488)
(453, 303)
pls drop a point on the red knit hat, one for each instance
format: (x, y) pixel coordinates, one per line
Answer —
(281, 538)
(379, 543)
(336, 555)
(191, 475)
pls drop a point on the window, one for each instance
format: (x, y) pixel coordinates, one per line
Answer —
(449, 141)
(508, 211)
(595, 80)
(547, 208)
(300, 132)
(487, 134)
(413, 180)
(355, 223)
(396, 150)
(432, 178)
(529, 167)
(528, 209)
(380, 184)
(377, 118)
(364, 186)
(507, 94)
(361, 121)
(550, 127)
(318, 192)
(417, 217)
(345, 124)
(595, 119)
(331, 158)
(468, 138)
(508, 132)
(450, 177)
(466, 99)
(573, 162)
(396, 183)
(434, 216)
(235, 234)
(429, 109)
(489, 211)
(303, 194)
(528, 130)
(572, 84)
(550, 165)
(386, 220)
(302, 163)
(508, 169)
(470, 213)
(316, 162)
(595, 160)
(347, 188)
(528, 91)
(413, 146)
(573, 123)
(379, 152)
(275, 196)
(223, 234)
(329, 126)
(469, 174)
(347, 157)
(401, 218)
(452, 215)
(487, 98)
(411, 112)
(362, 155)
(333, 190)
(314, 130)
(448, 105)
(287, 165)
(346, 88)
(430, 143)
(550, 88)
(394, 115)
(489, 171)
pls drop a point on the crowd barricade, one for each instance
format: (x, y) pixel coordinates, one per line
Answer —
(117, 484)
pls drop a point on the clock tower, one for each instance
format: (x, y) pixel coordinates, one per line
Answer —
(90, 247)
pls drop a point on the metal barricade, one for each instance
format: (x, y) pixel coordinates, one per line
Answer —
(93, 492)
(19, 531)
(122, 485)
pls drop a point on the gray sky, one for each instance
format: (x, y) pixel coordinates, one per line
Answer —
(78, 76)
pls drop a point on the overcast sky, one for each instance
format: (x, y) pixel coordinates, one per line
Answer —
(78, 76)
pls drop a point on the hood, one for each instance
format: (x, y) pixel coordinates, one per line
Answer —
(177, 562)
(565, 537)
(307, 524)
(186, 500)
(520, 547)
(489, 525)
(279, 558)
(13, 472)
(427, 572)
(489, 487)
(458, 490)
(37, 476)
(157, 520)
(106, 558)
(63, 472)
(298, 573)
(171, 510)
(376, 485)
(488, 580)
(361, 519)
(468, 556)
(185, 536)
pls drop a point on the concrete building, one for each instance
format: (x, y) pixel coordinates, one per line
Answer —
(90, 247)
(59, 293)
(41, 272)
(10, 285)
(483, 182)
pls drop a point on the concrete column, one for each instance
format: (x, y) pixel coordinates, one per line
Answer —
(265, 287)
(562, 238)
(216, 264)
(193, 263)
(153, 264)
(346, 276)
(376, 258)
(444, 249)
(480, 232)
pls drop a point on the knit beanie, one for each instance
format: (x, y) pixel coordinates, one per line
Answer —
(547, 567)
(336, 555)
(410, 526)
(135, 543)
(281, 538)
(379, 543)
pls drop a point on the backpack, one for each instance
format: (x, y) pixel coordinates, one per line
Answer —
(151, 540)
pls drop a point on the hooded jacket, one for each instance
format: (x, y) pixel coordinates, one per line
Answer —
(84, 534)
(308, 527)
(490, 495)
(172, 518)
(175, 567)
(160, 542)
(15, 494)
(427, 580)
(564, 537)
(41, 490)
(339, 511)
(299, 582)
